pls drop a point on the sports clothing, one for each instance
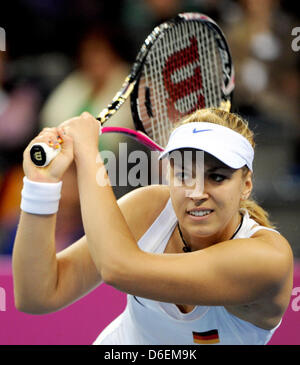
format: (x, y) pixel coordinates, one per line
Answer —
(225, 144)
(149, 322)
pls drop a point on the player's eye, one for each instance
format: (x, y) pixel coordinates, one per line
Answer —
(218, 177)
(182, 176)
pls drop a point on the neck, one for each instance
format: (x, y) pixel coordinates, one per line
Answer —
(197, 243)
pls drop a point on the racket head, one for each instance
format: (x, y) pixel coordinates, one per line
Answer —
(184, 65)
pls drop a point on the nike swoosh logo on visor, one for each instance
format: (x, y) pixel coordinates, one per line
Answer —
(201, 130)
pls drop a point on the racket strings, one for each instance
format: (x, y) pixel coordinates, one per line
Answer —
(179, 85)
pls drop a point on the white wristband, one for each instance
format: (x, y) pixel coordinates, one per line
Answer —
(40, 198)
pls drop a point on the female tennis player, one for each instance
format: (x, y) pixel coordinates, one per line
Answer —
(201, 262)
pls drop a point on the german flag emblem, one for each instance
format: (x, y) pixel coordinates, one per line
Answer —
(207, 337)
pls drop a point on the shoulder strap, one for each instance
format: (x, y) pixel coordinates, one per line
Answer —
(160, 231)
(250, 226)
(258, 228)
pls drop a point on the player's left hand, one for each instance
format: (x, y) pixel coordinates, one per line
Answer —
(84, 130)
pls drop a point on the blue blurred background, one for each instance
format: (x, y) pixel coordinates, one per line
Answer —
(63, 57)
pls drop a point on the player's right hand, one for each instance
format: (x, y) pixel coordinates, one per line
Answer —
(54, 172)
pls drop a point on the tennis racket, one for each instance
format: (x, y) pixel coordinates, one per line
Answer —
(184, 65)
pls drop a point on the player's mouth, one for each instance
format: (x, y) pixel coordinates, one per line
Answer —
(200, 213)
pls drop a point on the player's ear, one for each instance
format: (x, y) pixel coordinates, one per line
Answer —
(247, 184)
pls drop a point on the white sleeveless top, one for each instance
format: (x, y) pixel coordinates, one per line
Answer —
(149, 322)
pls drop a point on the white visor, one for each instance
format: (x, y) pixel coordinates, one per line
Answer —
(225, 144)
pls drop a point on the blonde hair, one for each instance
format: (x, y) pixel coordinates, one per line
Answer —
(239, 125)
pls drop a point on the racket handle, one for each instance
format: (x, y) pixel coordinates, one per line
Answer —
(41, 154)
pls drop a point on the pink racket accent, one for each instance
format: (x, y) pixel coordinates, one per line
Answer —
(139, 136)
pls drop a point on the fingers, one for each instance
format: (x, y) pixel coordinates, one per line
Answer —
(81, 128)
(86, 116)
(54, 137)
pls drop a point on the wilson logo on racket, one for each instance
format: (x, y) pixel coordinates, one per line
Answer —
(38, 155)
(193, 84)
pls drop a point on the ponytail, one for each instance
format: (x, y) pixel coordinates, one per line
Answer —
(257, 213)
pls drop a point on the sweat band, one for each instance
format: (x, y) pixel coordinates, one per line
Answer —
(40, 198)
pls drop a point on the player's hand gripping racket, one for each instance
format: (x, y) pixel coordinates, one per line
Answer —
(183, 65)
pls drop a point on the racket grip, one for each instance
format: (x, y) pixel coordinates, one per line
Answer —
(41, 154)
